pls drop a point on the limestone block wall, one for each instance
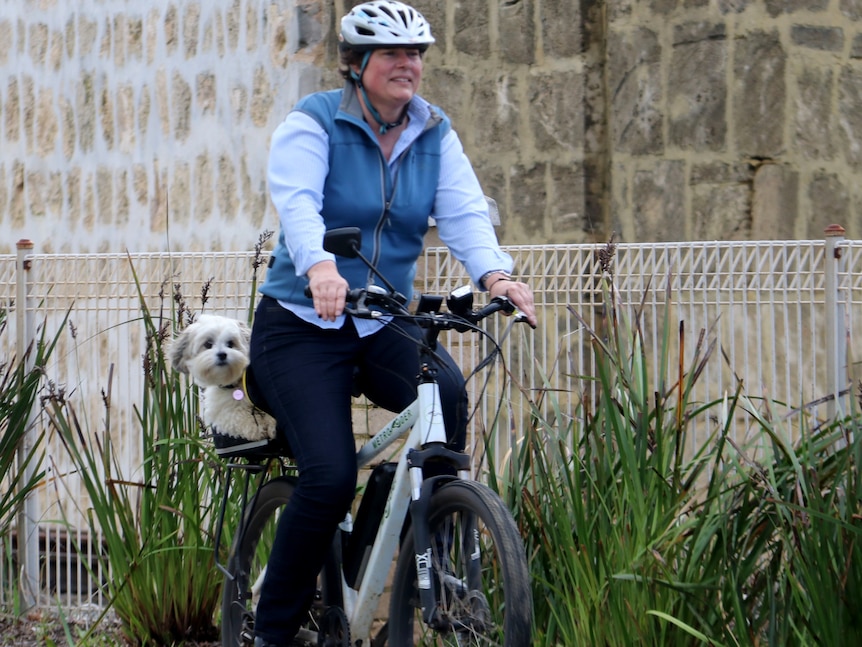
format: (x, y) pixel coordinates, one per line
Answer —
(145, 126)
(734, 119)
(513, 77)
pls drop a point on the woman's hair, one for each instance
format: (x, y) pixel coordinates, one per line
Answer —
(348, 57)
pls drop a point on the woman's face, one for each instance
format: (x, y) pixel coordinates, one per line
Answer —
(392, 76)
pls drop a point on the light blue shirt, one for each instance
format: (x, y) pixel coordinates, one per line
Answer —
(299, 172)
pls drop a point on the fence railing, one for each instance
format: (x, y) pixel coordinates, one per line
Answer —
(783, 313)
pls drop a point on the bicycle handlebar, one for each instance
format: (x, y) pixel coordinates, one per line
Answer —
(347, 241)
(373, 302)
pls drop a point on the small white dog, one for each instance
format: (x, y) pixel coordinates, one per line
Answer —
(214, 352)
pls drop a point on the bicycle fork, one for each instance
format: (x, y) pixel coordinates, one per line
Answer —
(433, 449)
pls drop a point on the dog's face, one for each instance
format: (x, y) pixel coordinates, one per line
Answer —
(213, 350)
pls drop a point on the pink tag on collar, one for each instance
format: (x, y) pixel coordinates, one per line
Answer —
(238, 394)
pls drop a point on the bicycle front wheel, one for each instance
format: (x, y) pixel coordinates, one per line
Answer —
(479, 574)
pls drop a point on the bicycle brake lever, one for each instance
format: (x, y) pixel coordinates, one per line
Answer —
(520, 317)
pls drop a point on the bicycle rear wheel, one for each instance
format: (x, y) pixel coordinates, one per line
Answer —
(247, 565)
(479, 573)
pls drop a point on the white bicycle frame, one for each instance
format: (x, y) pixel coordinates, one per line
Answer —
(424, 419)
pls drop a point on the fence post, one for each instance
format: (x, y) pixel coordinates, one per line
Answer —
(836, 334)
(28, 535)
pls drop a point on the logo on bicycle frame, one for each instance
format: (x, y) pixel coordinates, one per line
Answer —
(433, 414)
(392, 428)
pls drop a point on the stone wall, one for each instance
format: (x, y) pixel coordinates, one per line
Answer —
(145, 126)
(734, 119)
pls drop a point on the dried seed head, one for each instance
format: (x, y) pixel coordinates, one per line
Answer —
(258, 248)
(606, 255)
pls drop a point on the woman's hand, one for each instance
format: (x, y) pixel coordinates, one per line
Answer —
(518, 293)
(328, 290)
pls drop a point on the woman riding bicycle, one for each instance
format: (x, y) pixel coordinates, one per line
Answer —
(377, 156)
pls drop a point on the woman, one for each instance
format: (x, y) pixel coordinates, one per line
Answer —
(377, 156)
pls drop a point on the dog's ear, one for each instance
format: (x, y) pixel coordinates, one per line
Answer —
(178, 349)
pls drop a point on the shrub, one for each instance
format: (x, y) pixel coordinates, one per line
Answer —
(21, 383)
(158, 525)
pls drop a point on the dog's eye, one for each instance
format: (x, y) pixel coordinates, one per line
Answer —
(208, 344)
(230, 344)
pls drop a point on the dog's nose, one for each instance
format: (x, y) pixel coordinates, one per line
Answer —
(222, 357)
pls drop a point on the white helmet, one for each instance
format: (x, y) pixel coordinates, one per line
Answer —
(384, 23)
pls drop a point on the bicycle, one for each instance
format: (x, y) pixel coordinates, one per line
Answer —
(461, 575)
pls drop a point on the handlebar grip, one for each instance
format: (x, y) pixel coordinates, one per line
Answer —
(497, 304)
(352, 295)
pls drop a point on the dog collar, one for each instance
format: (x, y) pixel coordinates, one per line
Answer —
(238, 390)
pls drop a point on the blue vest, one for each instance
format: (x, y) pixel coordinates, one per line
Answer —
(359, 191)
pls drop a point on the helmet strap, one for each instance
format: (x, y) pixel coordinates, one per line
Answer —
(384, 126)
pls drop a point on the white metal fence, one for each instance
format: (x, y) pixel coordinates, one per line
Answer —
(783, 313)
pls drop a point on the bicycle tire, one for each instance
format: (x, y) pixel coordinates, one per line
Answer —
(495, 608)
(248, 557)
